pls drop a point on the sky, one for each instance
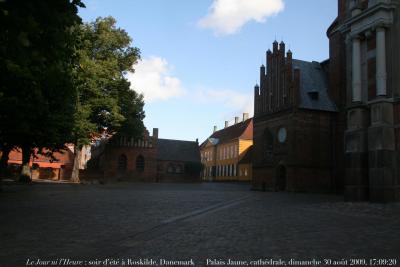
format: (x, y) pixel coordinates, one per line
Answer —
(200, 59)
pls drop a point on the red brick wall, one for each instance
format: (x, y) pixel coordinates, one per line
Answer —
(306, 155)
(46, 168)
(164, 176)
(110, 166)
(65, 158)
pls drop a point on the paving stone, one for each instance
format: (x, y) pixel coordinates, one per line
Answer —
(214, 221)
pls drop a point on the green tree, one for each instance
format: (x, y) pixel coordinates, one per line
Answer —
(37, 58)
(105, 100)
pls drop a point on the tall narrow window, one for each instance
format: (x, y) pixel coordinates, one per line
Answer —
(268, 144)
(122, 162)
(140, 163)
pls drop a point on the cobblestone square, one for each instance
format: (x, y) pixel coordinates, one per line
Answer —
(208, 224)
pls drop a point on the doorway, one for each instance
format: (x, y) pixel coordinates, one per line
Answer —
(281, 178)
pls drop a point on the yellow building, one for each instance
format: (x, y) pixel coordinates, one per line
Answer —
(222, 152)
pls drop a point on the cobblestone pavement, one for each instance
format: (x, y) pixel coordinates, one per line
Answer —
(183, 222)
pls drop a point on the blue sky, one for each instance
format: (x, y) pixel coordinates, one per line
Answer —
(201, 58)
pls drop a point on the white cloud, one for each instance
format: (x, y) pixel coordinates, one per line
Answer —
(228, 16)
(152, 78)
(235, 103)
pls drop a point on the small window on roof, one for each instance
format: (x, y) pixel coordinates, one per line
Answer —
(314, 95)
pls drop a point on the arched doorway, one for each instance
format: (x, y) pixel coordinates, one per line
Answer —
(122, 162)
(140, 163)
(281, 178)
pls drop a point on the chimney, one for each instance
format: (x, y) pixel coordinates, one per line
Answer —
(245, 116)
(226, 124)
(155, 136)
(215, 129)
(236, 120)
(155, 133)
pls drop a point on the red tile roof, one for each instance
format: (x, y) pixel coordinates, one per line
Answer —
(242, 130)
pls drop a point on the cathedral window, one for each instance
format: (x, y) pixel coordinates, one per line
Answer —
(268, 143)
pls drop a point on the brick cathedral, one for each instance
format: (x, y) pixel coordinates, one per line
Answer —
(334, 126)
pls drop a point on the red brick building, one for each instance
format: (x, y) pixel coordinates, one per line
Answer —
(294, 118)
(334, 125)
(59, 167)
(149, 159)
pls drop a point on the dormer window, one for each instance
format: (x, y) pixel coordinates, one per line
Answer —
(314, 95)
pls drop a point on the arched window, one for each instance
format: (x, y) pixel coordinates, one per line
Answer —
(171, 168)
(122, 162)
(140, 163)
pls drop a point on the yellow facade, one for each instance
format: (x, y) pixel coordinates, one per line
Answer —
(208, 160)
(221, 161)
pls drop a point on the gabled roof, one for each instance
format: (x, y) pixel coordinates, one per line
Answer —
(177, 150)
(313, 86)
(241, 130)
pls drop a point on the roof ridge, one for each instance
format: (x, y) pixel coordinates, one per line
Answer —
(236, 124)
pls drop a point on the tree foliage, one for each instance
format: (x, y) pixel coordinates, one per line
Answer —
(37, 57)
(105, 100)
(63, 81)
